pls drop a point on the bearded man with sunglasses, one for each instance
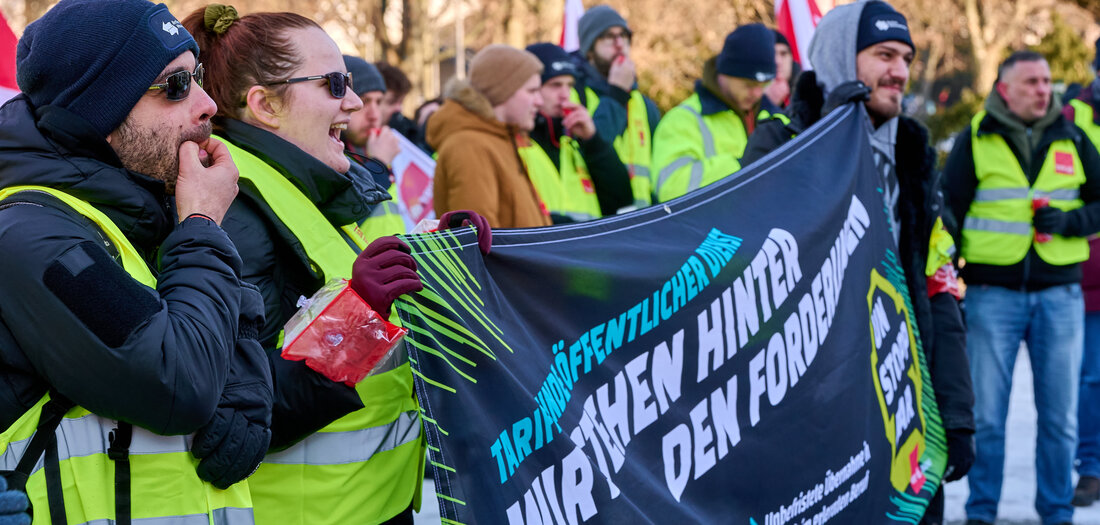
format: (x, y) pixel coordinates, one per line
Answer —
(126, 334)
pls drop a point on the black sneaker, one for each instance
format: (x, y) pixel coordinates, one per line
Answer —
(1087, 491)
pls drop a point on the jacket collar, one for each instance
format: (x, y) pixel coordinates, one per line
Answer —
(343, 198)
(50, 146)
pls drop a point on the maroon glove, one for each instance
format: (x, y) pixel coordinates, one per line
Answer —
(463, 218)
(384, 271)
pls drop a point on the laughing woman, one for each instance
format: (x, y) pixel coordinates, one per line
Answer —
(339, 455)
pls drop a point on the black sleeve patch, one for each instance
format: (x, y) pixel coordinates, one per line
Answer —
(100, 293)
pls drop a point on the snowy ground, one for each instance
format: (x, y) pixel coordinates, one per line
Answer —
(1018, 496)
(1017, 501)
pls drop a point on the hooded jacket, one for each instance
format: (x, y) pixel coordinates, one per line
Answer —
(72, 319)
(276, 262)
(920, 203)
(478, 167)
(961, 182)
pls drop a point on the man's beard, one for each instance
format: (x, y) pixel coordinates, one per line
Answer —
(152, 152)
(601, 65)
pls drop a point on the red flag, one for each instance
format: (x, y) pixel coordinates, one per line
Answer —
(569, 40)
(7, 55)
(796, 20)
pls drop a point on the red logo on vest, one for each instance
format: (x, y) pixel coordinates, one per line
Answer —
(588, 188)
(1063, 163)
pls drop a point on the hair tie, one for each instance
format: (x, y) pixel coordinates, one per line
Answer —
(217, 18)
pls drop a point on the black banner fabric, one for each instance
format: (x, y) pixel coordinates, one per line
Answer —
(745, 354)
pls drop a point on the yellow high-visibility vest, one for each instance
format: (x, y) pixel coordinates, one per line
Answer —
(164, 486)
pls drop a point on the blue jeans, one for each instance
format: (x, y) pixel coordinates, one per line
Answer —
(1051, 322)
(1088, 406)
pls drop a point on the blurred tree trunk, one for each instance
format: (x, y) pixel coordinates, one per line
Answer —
(992, 26)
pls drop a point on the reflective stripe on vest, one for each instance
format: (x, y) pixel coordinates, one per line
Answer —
(998, 228)
(720, 134)
(335, 448)
(567, 190)
(164, 486)
(634, 145)
(320, 494)
(696, 180)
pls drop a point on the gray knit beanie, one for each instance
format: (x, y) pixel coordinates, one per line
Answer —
(594, 22)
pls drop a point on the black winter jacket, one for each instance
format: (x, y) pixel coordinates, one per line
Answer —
(276, 262)
(609, 175)
(960, 184)
(72, 319)
(939, 318)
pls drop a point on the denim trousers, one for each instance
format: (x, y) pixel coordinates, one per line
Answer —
(1051, 323)
(1088, 403)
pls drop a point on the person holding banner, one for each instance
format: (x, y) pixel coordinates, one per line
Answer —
(607, 87)
(577, 174)
(475, 133)
(862, 53)
(701, 140)
(339, 454)
(1024, 183)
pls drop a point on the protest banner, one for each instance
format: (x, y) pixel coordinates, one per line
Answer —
(744, 354)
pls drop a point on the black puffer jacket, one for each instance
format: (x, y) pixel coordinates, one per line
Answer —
(71, 318)
(276, 262)
(939, 319)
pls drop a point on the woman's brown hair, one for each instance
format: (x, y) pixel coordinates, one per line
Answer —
(241, 52)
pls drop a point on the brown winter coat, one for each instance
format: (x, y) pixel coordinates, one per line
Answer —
(478, 167)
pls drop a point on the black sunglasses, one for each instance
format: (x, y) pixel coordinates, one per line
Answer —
(338, 83)
(178, 85)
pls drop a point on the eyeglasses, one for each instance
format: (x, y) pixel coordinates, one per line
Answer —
(338, 83)
(178, 85)
(609, 36)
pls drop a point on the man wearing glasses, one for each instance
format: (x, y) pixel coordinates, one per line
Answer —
(607, 87)
(124, 325)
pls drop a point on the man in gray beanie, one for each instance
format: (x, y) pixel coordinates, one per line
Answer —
(861, 54)
(607, 87)
(123, 318)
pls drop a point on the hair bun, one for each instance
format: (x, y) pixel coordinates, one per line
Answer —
(217, 18)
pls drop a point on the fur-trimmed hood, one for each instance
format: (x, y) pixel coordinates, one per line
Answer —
(463, 109)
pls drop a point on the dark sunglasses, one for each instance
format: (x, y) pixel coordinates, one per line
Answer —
(338, 83)
(178, 85)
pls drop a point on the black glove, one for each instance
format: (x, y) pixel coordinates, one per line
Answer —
(1049, 219)
(231, 446)
(853, 91)
(960, 453)
(13, 506)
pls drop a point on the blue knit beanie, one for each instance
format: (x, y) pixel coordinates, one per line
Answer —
(364, 76)
(749, 52)
(555, 61)
(97, 58)
(594, 22)
(880, 22)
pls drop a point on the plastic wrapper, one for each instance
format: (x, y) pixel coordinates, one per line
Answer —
(340, 336)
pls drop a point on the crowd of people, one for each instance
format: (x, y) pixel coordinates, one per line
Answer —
(170, 189)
